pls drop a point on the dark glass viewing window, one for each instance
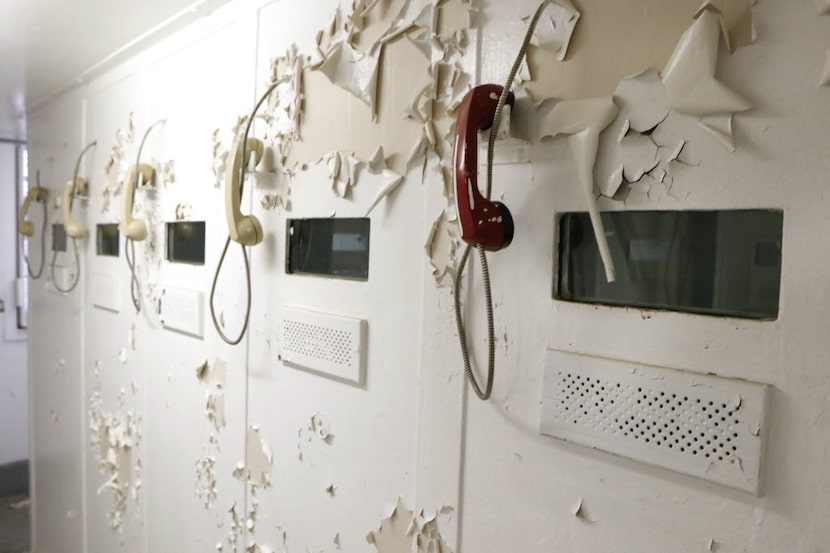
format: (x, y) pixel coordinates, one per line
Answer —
(107, 239)
(186, 242)
(725, 263)
(58, 237)
(329, 247)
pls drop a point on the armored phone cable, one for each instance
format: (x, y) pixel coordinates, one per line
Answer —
(482, 256)
(129, 243)
(37, 274)
(242, 168)
(74, 241)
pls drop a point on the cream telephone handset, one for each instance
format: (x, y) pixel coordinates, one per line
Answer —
(76, 186)
(76, 230)
(36, 194)
(135, 230)
(132, 228)
(245, 229)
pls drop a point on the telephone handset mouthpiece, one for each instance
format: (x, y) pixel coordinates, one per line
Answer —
(483, 222)
(132, 228)
(245, 229)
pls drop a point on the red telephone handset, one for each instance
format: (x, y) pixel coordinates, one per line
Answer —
(483, 222)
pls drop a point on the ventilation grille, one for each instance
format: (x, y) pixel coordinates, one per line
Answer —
(701, 425)
(322, 342)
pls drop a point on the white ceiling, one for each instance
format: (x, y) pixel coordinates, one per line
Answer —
(49, 46)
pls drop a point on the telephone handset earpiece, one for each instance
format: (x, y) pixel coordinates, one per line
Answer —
(36, 194)
(483, 222)
(245, 229)
(132, 228)
(74, 187)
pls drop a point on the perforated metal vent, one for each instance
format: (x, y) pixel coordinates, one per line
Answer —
(323, 342)
(701, 425)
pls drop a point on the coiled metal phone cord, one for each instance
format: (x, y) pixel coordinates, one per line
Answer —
(37, 274)
(129, 243)
(482, 256)
(243, 167)
(74, 241)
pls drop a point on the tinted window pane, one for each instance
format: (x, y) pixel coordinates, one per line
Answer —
(107, 239)
(329, 247)
(713, 262)
(58, 237)
(186, 242)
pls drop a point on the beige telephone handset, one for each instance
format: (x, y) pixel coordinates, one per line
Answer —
(135, 230)
(76, 230)
(27, 228)
(245, 229)
(36, 194)
(77, 186)
(132, 228)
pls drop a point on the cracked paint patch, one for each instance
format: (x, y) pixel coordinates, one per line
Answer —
(555, 27)
(824, 79)
(213, 378)
(343, 168)
(582, 121)
(283, 111)
(115, 439)
(116, 166)
(441, 247)
(689, 75)
(206, 487)
(182, 211)
(403, 531)
(259, 459)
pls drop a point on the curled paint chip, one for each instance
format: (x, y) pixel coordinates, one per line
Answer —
(343, 167)
(582, 121)
(259, 459)
(824, 80)
(391, 181)
(355, 72)
(441, 248)
(406, 532)
(555, 27)
(689, 75)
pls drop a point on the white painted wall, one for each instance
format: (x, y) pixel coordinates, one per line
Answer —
(14, 387)
(55, 354)
(413, 430)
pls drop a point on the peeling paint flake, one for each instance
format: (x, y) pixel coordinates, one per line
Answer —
(259, 459)
(391, 181)
(206, 489)
(394, 534)
(215, 409)
(343, 167)
(284, 108)
(114, 439)
(355, 72)
(555, 27)
(405, 532)
(689, 75)
(720, 128)
(824, 80)
(582, 121)
(441, 248)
